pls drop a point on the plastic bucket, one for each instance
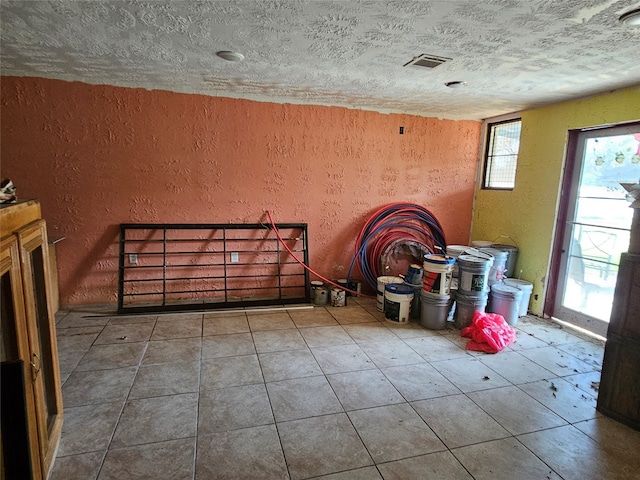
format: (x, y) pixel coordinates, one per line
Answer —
(496, 274)
(338, 297)
(467, 306)
(512, 258)
(415, 303)
(527, 289)
(473, 274)
(382, 281)
(397, 302)
(438, 270)
(414, 274)
(505, 300)
(455, 251)
(434, 310)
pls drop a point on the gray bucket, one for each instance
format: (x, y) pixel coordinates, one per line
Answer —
(434, 310)
(467, 306)
(473, 274)
(505, 301)
(415, 303)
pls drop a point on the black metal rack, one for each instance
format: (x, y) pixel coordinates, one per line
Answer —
(172, 267)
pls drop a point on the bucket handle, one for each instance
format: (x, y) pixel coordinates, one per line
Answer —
(506, 236)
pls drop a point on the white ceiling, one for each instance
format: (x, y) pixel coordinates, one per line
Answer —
(513, 54)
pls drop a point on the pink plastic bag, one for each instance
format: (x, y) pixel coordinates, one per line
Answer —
(489, 333)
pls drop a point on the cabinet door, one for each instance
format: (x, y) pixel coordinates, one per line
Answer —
(45, 370)
(23, 454)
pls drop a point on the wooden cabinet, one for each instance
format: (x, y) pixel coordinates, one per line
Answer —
(28, 347)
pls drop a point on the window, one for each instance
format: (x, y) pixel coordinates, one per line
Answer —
(501, 158)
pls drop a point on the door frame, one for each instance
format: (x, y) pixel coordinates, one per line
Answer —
(571, 162)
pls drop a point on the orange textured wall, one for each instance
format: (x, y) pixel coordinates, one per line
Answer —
(98, 156)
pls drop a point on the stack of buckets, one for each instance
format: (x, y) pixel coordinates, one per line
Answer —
(435, 296)
(473, 286)
(427, 293)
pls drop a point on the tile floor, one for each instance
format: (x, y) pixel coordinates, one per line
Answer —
(333, 393)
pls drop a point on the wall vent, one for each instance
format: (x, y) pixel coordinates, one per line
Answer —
(427, 61)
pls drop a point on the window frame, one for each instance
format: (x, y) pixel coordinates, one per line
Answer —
(489, 125)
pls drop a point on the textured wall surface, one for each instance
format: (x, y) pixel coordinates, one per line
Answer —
(528, 213)
(513, 54)
(98, 156)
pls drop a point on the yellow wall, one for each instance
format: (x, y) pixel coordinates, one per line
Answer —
(528, 213)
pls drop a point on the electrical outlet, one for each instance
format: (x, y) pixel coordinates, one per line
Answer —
(133, 258)
(234, 257)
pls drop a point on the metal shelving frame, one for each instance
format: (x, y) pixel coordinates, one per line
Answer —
(156, 259)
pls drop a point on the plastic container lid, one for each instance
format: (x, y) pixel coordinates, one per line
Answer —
(501, 289)
(516, 282)
(472, 260)
(439, 258)
(456, 249)
(399, 288)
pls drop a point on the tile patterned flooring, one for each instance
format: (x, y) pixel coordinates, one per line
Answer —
(332, 393)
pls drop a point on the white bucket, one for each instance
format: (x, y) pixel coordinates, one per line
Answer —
(473, 274)
(438, 271)
(505, 300)
(467, 306)
(455, 251)
(512, 257)
(382, 281)
(397, 302)
(496, 274)
(338, 297)
(434, 310)
(527, 289)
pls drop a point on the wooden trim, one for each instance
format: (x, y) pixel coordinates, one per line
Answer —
(10, 263)
(30, 238)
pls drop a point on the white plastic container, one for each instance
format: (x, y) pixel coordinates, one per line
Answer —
(455, 251)
(382, 281)
(438, 271)
(496, 274)
(397, 302)
(527, 289)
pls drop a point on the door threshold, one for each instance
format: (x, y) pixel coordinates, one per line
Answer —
(581, 330)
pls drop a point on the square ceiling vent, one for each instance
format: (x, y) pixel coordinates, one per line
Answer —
(427, 61)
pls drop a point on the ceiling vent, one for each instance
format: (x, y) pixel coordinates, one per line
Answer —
(427, 61)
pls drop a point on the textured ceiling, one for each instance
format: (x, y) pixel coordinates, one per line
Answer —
(513, 54)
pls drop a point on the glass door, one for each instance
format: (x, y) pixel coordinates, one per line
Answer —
(597, 224)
